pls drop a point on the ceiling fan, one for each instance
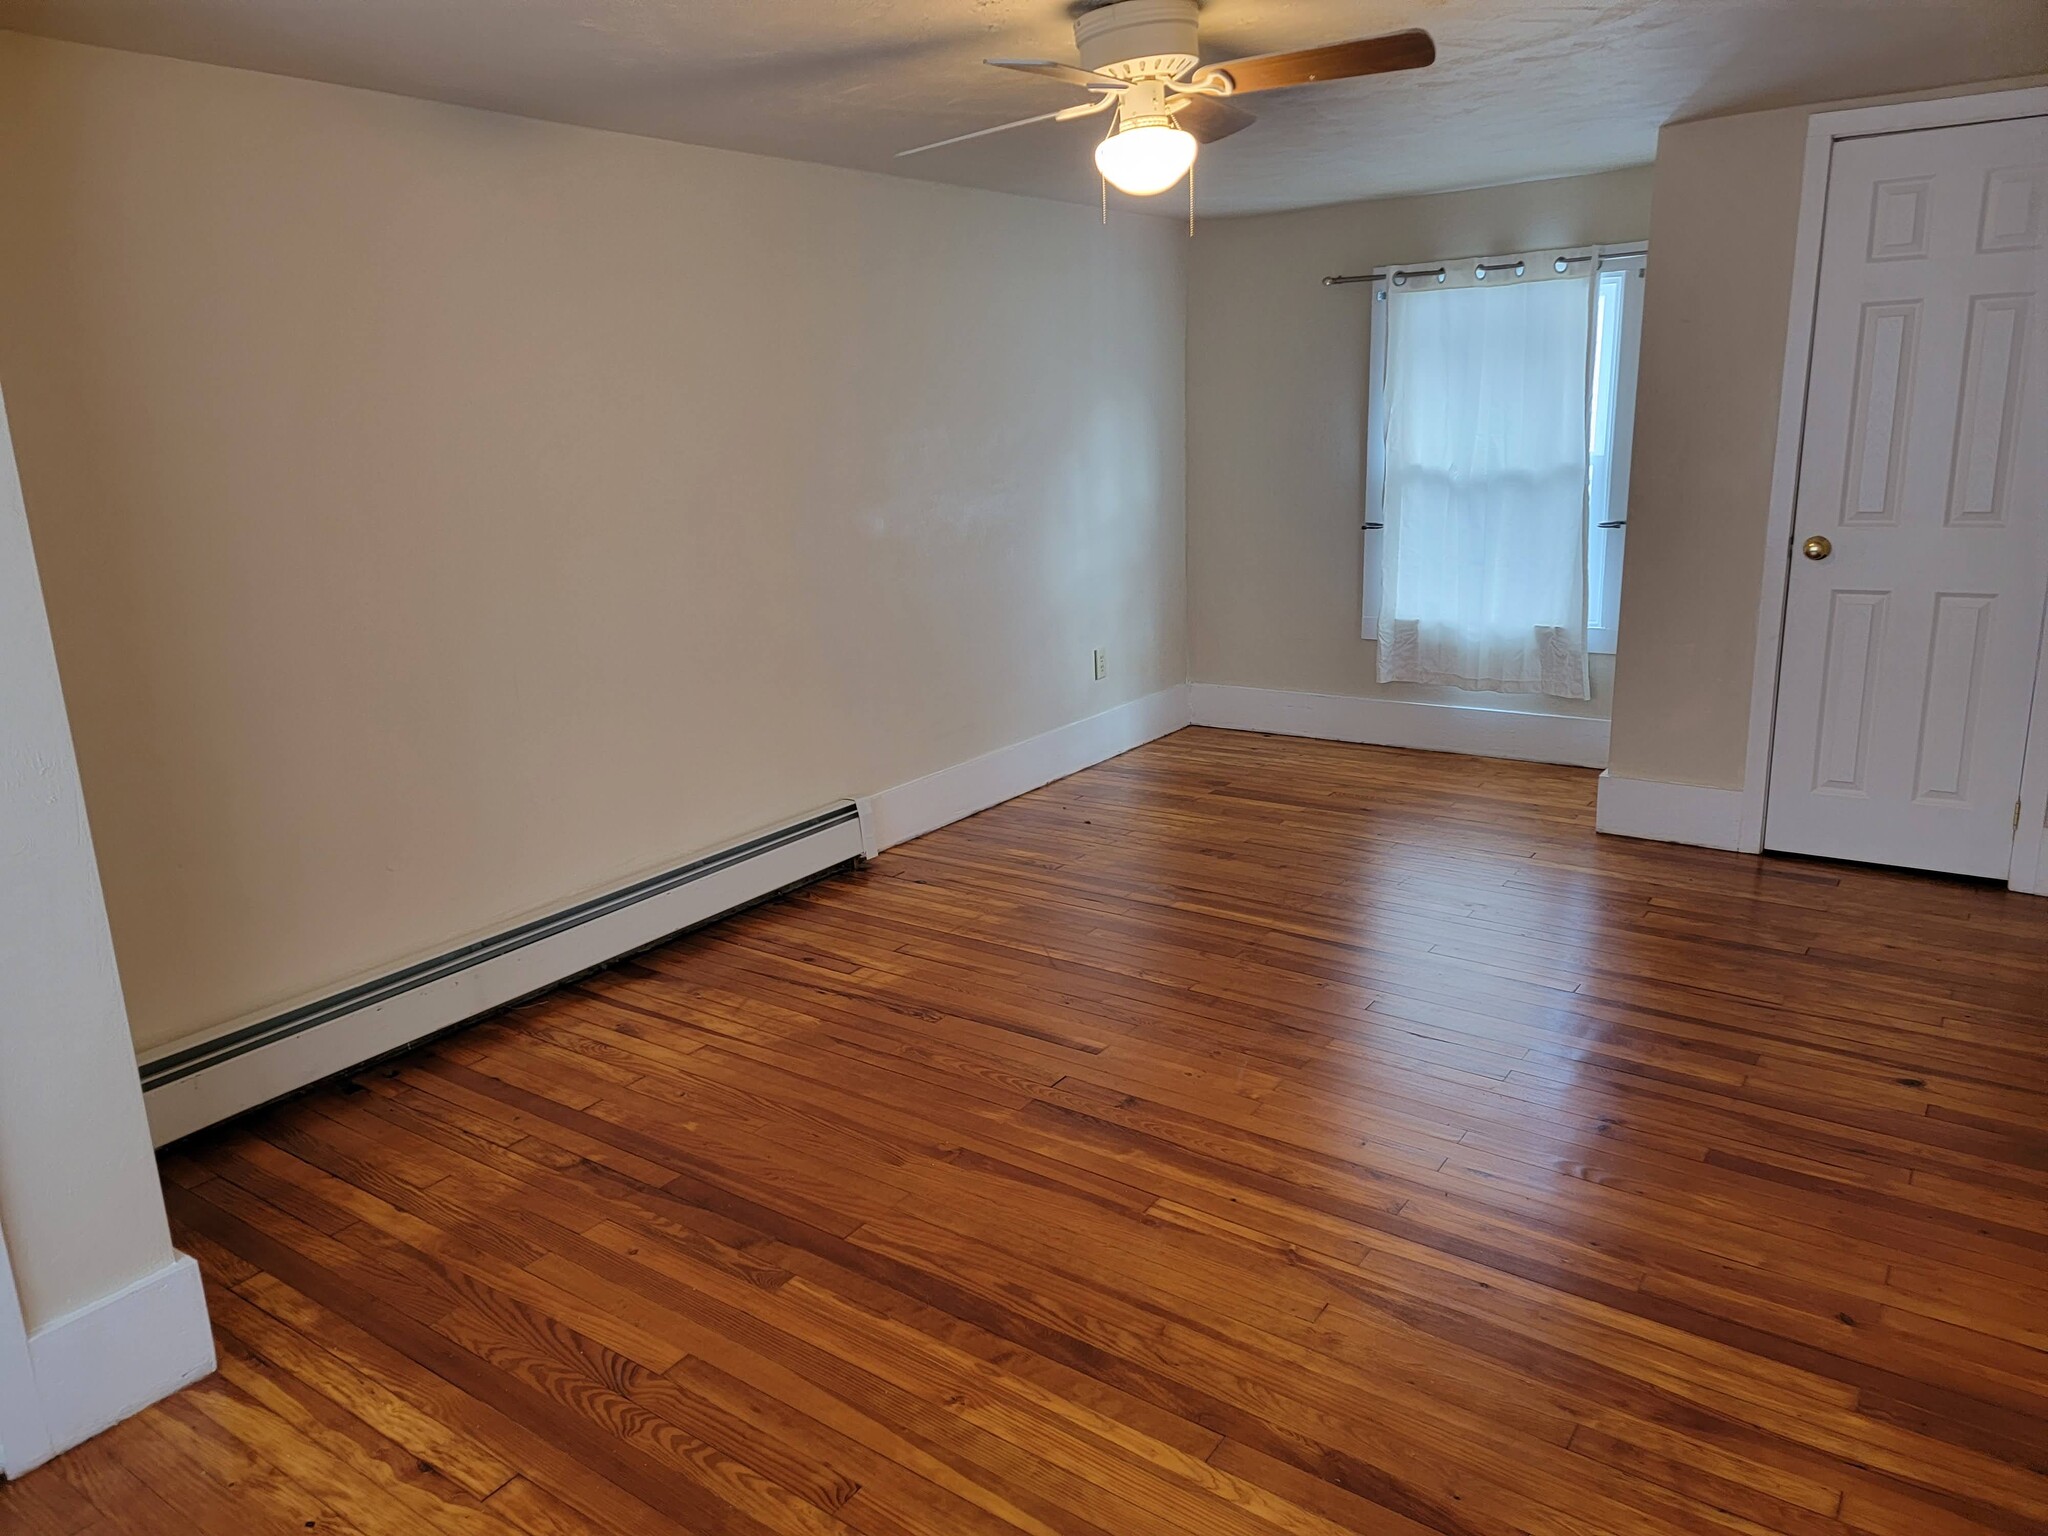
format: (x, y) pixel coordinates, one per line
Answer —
(1140, 58)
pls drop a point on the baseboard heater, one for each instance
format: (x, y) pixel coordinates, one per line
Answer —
(191, 1085)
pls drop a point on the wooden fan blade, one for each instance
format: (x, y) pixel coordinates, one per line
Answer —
(1413, 49)
(1052, 69)
(1210, 118)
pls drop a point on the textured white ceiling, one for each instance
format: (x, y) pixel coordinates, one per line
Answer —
(1522, 88)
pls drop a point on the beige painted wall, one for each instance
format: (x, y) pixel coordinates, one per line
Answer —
(444, 515)
(1723, 222)
(1723, 226)
(1276, 418)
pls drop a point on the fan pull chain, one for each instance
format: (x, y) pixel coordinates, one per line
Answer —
(1191, 202)
(1105, 201)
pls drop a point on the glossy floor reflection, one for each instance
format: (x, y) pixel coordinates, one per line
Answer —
(1246, 1135)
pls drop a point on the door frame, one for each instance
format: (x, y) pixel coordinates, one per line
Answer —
(1823, 131)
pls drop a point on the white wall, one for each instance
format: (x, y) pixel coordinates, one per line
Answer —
(1722, 227)
(1276, 419)
(78, 1187)
(444, 515)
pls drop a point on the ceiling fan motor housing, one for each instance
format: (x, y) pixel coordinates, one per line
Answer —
(1140, 39)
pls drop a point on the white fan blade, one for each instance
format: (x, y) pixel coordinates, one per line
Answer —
(1065, 114)
(1209, 118)
(1087, 79)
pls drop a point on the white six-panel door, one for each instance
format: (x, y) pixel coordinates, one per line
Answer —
(1913, 629)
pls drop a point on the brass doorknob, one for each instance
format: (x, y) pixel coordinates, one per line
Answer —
(1817, 547)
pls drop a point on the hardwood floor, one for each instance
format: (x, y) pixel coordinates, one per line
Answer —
(1246, 1135)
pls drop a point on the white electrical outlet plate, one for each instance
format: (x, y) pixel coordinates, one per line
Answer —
(1101, 664)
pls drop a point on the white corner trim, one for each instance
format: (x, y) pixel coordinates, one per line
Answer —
(2029, 872)
(24, 1438)
(869, 844)
(114, 1357)
(2029, 868)
(1577, 740)
(924, 805)
(1669, 813)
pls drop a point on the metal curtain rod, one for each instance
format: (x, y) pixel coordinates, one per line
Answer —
(1400, 276)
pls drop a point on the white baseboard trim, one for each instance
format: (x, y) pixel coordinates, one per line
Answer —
(194, 1084)
(1577, 740)
(1670, 813)
(94, 1367)
(926, 804)
(199, 1082)
(2029, 874)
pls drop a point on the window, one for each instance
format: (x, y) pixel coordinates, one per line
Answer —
(1617, 339)
(1613, 337)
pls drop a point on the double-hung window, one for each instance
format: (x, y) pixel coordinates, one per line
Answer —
(1502, 404)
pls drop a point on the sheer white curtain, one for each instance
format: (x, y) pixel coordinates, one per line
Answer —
(1484, 570)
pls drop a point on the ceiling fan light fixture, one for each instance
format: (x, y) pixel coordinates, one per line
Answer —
(1143, 58)
(1146, 159)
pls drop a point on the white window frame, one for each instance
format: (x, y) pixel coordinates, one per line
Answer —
(1603, 601)
(1603, 606)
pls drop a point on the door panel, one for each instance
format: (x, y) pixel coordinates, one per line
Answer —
(1910, 646)
(1848, 679)
(2015, 209)
(1877, 418)
(1984, 423)
(1955, 683)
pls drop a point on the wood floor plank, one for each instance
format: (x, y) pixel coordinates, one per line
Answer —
(1243, 1137)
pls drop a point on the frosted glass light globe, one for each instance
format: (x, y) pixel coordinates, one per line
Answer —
(1145, 161)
